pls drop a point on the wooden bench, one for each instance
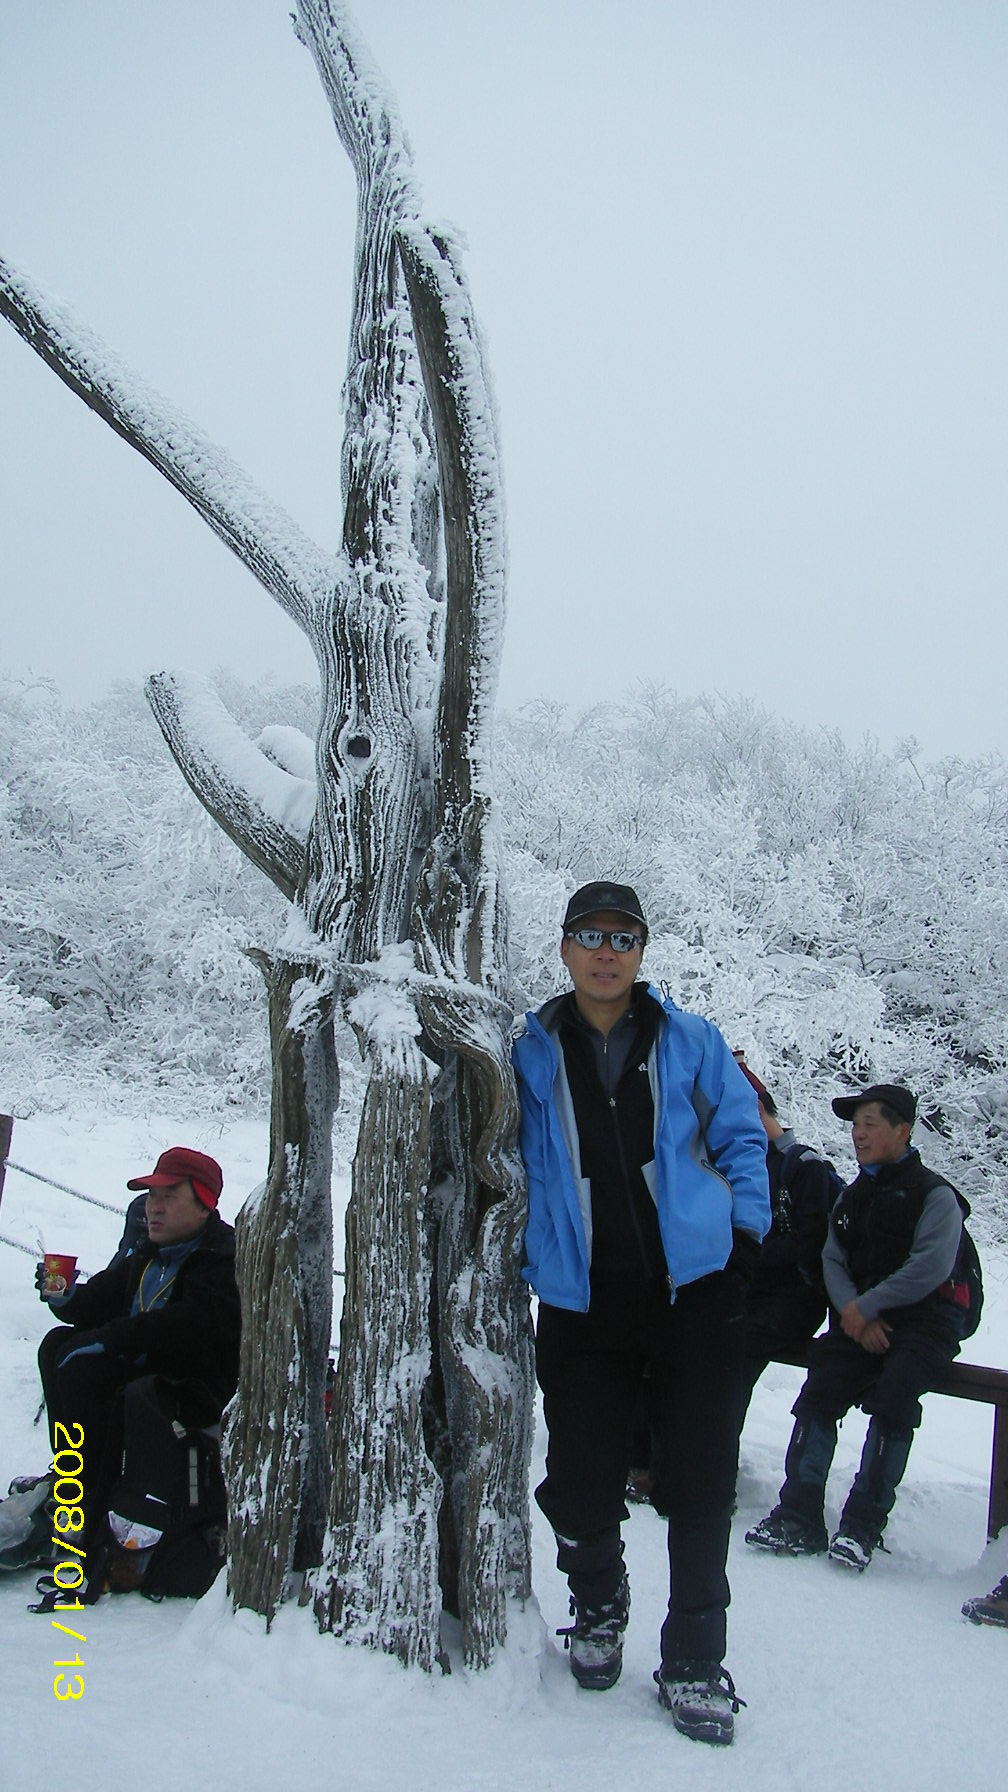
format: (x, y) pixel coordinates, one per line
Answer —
(969, 1381)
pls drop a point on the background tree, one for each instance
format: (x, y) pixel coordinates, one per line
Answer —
(839, 909)
(389, 860)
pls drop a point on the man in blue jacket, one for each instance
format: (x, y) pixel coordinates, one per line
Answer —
(648, 1198)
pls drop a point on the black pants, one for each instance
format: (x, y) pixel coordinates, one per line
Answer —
(114, 1409)
(923, 1342)
(590, 1367)
(781, 1323)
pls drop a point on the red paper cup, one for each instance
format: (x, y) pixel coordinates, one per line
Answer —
(58, 1274)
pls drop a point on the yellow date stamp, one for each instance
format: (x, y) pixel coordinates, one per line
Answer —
(68, 1573)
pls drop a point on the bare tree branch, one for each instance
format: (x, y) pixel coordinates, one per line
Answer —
(285, 561)
(260, 807)
(471, 493)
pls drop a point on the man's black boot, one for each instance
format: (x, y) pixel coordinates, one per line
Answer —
(595, 1640)
(702, 1699)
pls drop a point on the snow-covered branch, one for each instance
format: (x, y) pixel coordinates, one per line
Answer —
(285, 561)
(263, 809)
(391, 514)
(363, 105)
(458, 392)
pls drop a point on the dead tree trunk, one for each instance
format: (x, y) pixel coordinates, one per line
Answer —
(276, 1519)
(390, 862)
(379, 1578)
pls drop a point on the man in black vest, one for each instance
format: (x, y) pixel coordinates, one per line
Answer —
(894, 1329)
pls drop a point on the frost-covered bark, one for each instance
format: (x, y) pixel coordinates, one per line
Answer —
(379, 1577)
(390, 858)
(274, 1442)
(261, 806)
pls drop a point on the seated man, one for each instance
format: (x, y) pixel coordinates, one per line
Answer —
(147, 1350)
(894, 1329)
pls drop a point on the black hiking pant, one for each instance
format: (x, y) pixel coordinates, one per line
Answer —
(781, 1323)
(590, 1367)
(122, 1418)
(923, 1342)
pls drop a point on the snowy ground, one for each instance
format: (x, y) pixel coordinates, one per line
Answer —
(847, 1680)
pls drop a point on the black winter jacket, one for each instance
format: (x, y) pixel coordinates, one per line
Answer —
(197, 1330)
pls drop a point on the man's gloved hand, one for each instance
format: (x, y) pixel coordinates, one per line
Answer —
(52, 1300)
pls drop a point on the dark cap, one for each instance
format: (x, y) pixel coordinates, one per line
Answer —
(893, 1094)
(180, 1164)
(592, 899)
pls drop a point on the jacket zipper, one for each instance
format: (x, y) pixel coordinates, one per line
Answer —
(627, 1194)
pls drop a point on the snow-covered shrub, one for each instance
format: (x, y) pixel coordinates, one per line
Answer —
(841, 913)
(123, 915)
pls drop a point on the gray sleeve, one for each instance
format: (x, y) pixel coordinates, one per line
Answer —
(929, 1264)
(839, 1286)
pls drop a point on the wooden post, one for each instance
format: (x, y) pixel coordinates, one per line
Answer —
(6, 1128)
(997, 1510)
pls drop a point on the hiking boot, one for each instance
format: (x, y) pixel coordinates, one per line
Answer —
(595, 1641)
(702, 1699)
(788, 1534)
(992, 1608)
(852, 1549)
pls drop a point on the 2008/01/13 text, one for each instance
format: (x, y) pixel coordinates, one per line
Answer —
(68, 1522)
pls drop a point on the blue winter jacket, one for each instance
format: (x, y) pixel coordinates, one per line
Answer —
(709, 1172)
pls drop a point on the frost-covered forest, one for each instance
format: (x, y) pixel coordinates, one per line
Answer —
(839, 911)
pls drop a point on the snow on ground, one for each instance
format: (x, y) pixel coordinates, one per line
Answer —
(847, 1679)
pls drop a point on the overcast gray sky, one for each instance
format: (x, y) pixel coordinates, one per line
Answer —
(742, 266)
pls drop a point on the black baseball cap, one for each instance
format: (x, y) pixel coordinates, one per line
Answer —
(591, 899)
(893, 1094)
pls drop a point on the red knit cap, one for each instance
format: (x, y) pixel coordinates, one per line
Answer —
(181, 1164)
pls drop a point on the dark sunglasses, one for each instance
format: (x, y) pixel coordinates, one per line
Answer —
(591, 938)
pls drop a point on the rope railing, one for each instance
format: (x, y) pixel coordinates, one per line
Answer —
(51, 1181)
(30, 1250)
(7, 1163)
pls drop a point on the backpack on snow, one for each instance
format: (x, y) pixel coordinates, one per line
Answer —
(171, 1477)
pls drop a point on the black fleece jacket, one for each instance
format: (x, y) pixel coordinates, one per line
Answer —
(195, 1332)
